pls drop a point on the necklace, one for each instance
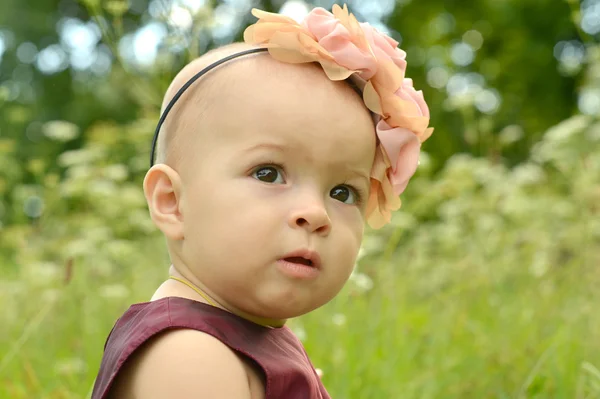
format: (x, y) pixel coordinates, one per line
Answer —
(258, 320)
(202, 294)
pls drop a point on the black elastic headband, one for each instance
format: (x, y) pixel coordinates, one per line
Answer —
(185, 87)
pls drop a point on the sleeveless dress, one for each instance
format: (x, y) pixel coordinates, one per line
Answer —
(280, 356)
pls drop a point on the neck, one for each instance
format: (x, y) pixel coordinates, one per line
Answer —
(263, 321)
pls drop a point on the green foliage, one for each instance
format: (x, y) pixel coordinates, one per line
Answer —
(96, 185)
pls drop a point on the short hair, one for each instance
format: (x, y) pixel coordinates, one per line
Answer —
(170, 143)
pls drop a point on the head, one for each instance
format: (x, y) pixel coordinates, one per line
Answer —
(259, 159)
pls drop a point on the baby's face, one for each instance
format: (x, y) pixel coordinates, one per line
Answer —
(282, 164)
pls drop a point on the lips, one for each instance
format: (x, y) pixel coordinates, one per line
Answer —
(304, 257)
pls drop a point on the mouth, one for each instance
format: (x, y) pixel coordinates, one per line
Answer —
(304, 257)
(300, 260)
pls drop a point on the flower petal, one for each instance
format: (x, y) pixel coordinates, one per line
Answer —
(265, 16)
(372, 99)
(402, 148)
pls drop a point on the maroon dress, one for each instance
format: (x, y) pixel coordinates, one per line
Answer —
(288, 373)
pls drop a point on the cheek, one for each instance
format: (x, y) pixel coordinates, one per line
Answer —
(351, 222)
(227, 228)
(355, 240)
(348, 242)
(356, 236)
(232, 211)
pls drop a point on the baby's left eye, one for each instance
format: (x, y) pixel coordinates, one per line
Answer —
(345, 194)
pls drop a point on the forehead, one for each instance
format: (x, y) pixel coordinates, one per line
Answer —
(295, 107)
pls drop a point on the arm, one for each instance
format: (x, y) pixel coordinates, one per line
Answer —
(182, 364)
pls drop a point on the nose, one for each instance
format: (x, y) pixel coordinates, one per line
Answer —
(313, 217)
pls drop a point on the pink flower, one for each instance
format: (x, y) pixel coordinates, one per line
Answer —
(384, 47)
(341, 35)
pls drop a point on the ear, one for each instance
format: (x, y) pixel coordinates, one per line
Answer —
(163, 189)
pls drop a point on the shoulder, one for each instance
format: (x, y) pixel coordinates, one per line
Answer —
(182, 364)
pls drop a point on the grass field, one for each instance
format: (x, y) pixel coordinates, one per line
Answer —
(486, 285)
(394, 332)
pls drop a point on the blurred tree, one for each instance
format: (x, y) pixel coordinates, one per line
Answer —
(496, 74)
(45, 77)
(492, 64)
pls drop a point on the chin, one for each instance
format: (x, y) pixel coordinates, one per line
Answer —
(284, 302)
(282, 309)
(284, 314)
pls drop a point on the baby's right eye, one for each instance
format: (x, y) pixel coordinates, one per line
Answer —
(269, 174)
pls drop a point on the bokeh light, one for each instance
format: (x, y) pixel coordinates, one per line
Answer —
(570, 54)
(590, 16)
(589, 101)
(295, 9)
(488, 101)
(437, 77)
(473, 38)
(462, 54)
(180, 17)
(2, 46)
(140, 48)
(225, 21)
(33, 206)
(77, 35)
(52, 59)
(26, 52)
(373, 10)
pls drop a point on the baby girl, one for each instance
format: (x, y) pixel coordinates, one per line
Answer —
(267, 161)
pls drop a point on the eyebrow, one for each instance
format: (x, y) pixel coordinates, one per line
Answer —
(265, 146)
(358, 173)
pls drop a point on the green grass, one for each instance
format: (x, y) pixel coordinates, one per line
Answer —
(485, 285)
(478, 336)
